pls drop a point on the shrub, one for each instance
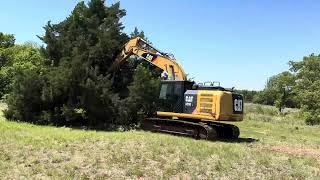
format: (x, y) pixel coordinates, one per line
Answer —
(24, 102)
(311, 117)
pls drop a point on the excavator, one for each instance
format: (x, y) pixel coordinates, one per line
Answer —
(202, 111)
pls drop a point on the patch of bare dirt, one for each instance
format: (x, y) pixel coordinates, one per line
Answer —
(291, 150)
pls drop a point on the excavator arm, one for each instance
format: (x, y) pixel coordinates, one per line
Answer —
(142, 49)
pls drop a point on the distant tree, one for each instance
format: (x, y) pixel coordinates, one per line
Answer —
(247, 94)
(279, 91)
(281, 86)
(307, 86)
(264, 97)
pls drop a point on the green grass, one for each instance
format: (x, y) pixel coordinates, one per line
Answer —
(284, 148)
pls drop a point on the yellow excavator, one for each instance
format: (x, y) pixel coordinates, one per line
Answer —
(197, 110)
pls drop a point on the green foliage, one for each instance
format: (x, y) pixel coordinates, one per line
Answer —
(143, 95)
(124, 76)
(6, 40)
(264, 97)
(92, 33)
(308, 86)
(24, 102)
(73, 87)
(247, 94)
(137, 33)
(278, 92)
(300, 88)
(15, 59)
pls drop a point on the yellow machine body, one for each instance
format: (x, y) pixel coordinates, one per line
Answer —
(211, 106)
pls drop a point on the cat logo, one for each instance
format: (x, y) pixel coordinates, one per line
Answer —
(149, 57)
(189, 99)
(238, 105)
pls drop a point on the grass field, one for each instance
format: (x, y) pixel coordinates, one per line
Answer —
(271, 146)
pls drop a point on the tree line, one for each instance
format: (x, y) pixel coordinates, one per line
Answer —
(298, 87)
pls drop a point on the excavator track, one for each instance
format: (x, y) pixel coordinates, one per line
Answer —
(197, 130)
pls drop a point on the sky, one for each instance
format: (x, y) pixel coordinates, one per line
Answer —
(238, 43)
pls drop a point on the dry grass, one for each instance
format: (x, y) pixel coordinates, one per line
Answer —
(281, 151)
(3, 106)
(271, 114)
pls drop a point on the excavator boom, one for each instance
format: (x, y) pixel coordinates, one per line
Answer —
(142, 49)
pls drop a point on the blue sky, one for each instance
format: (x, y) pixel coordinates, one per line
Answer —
(239, 43)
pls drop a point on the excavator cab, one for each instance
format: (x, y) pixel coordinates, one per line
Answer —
(172, 95)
